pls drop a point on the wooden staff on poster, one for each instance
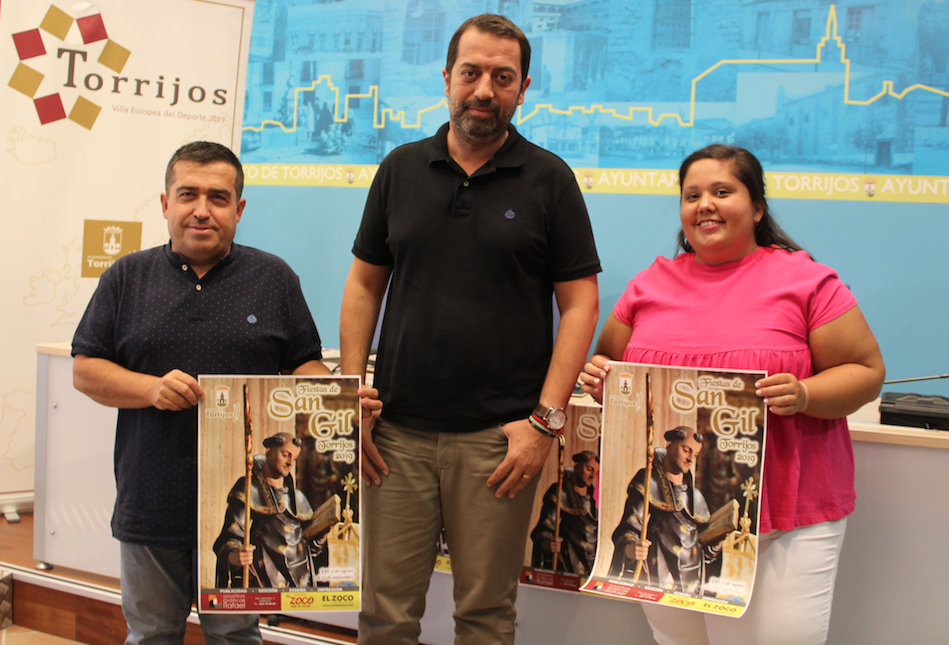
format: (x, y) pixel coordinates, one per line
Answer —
(560, 443)
(647, 483)
(249, 463)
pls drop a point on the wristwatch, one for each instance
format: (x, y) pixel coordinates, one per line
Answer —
(553, 418)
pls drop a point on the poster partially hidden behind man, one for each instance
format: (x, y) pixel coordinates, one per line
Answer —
(686, 446)
(564, 520)
(279, 454)
(561, 547)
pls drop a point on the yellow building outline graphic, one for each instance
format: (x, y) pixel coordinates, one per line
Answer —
(381, 117)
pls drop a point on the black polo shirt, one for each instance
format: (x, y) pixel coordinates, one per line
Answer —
(467, 335)
(152, 314)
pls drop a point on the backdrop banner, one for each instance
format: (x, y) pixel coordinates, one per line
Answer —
(96, 97)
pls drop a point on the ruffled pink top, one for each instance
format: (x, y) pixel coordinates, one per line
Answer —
(754, 314)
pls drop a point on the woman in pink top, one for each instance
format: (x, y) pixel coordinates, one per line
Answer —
(743, 295)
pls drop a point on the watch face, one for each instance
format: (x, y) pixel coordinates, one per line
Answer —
(556, 420)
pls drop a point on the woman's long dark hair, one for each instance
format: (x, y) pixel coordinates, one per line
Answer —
(747, 169)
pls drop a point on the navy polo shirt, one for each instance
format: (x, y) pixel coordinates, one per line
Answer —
(152, 314)
(468, 329)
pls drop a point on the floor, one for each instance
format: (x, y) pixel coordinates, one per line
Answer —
(91, 622)
(17, 635)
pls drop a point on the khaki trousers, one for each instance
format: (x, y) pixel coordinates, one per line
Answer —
(435, 480)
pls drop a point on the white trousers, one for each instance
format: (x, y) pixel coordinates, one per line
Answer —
(791, 602)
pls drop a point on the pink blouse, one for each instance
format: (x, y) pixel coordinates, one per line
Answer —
(754, 314)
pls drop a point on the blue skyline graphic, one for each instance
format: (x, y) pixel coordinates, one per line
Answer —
(807, 86)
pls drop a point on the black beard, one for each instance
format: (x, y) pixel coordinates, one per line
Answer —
(480, 129)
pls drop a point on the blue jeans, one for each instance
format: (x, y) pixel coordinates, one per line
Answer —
(158, 589)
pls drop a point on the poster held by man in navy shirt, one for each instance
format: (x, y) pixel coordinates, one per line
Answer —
(688, 445)
(279, 454)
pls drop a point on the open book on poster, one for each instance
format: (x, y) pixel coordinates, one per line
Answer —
(687, 446)
(279, 454)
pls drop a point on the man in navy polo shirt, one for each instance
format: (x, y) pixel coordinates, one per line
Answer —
(477, 228)
(197, 305)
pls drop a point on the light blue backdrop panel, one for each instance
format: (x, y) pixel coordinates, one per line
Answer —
(855, 86)
(894, 262)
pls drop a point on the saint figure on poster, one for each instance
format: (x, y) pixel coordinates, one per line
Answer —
(576, 543)
(280, 554)
(672, 554)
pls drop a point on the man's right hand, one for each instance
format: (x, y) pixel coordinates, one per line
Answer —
(241, 558)
(638, 550)
(362, 299)
(111, 384)
(176, 391)
(555, 545)
(373, 466)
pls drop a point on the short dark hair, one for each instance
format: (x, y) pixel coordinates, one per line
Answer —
(205, 152)
(681, 433)
(585, 456)
(747, 169)
(277, 440)
(499, 26)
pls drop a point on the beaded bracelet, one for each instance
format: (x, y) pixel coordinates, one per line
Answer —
(540, 426)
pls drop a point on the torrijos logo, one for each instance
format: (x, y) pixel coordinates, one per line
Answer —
(29, 45)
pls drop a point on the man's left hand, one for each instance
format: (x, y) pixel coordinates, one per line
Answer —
(373, 466)
(371, 406)
(527, 450)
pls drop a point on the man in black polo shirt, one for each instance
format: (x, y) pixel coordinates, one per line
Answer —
(476, 228)
(200, 304)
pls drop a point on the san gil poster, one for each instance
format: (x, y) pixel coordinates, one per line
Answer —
(561, 548)
(279, 454)
(686, 446)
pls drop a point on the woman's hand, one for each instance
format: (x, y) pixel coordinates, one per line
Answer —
(848, 372)
(783, 394)
(848, 367)
(593, 376)
(609, 347)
